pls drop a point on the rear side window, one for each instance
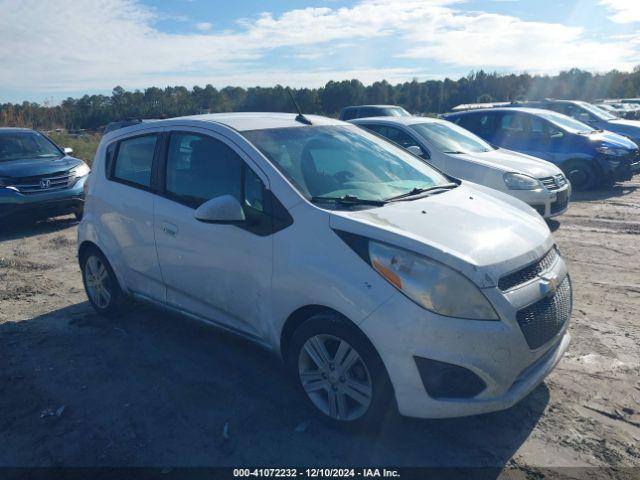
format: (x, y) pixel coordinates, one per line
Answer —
(369, 112)
(134, 160)
(201, 168)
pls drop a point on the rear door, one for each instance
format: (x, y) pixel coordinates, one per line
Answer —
(221, 272)
(126, 211)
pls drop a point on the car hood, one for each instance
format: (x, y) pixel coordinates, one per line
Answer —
(478, 231)
(625, 127)
(509, 161)
(28, 167)
(611, 139)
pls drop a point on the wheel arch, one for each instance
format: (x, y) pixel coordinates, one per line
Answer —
(85, 247)
(596, 166)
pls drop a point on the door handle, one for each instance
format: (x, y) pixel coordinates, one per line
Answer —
(169, 228)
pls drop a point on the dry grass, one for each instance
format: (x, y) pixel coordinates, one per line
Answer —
(84, 146)
(23, 265)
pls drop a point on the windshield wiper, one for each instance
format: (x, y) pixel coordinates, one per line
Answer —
(349, 200)
(419, 191)
(456, 152)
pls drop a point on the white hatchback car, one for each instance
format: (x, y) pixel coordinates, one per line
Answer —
(374, 276)
(461, 154)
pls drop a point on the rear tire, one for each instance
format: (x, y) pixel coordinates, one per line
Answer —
(339, 372)
(581, 174)
(101, 284)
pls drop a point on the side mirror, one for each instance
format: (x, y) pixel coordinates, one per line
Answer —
(223, 209)
(416, 150)
(67, 150)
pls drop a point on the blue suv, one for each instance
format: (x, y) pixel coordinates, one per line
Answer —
(38, 178)
(588, 157)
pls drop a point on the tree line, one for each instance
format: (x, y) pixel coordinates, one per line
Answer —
(433, 96)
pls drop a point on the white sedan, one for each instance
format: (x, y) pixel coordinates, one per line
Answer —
(461, 154)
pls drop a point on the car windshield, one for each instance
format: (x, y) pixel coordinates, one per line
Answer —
(565, 123)
(341, 162)
(17, 145)
(597, 112)
(450, 138)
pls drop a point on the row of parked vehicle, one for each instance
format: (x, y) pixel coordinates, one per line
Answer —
(385, 261)
(591, 146)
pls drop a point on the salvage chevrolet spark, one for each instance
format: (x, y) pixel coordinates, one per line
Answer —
(380, 281)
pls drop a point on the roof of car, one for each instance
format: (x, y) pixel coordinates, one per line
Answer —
(501, 109)
(240, 121)
(257, 120)
(15, 129)
(372, 106)
(411, 120)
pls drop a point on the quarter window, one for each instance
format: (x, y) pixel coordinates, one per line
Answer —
(134, 160)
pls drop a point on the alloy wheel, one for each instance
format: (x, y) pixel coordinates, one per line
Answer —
(335, 377)
(98, 282)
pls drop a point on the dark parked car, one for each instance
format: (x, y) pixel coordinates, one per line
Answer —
(111, 126)
(588, 157)
(362, 111)
(38, 178)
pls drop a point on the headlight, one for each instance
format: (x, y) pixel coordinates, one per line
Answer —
(430, 284)
(80, 171)
(518, 181)
(614, 152)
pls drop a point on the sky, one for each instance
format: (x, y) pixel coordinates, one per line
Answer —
(53, 49)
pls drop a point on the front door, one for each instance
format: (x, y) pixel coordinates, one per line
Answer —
(221, 272)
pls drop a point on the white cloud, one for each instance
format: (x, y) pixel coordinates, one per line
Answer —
(624, 11)
(508, 43)
(204, 26)
(55, 46)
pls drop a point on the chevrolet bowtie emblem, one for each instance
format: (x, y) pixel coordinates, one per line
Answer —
(549, 283)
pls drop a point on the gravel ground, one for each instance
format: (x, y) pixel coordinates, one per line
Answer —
(154, 389)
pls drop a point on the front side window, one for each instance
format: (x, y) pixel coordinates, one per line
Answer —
(15, 145)
(200, 168)
(450, 138)
(134, 160)
(336, 161)
(512, 123)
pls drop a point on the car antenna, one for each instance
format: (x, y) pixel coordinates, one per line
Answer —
(300, 117)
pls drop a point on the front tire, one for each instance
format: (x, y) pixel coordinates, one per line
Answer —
(581, 174)
(339, 372)
(101, 284)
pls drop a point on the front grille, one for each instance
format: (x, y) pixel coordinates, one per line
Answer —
(529, 272)
(554, 183)
(543, 320)
(562, 200)
(44, 183)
